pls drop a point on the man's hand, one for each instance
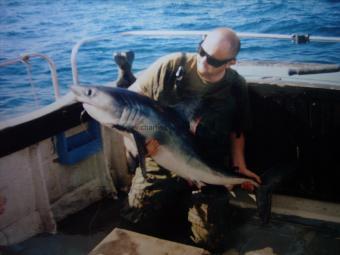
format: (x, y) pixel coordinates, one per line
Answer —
(152, 147)
(237, 149)
(247, 185)
(250, 174)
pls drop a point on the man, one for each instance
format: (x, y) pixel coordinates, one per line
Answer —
(218, 128)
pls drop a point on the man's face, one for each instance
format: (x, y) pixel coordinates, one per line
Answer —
(213, 59)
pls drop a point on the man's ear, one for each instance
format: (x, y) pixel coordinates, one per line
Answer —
(230, 63)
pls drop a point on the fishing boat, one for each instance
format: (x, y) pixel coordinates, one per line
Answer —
(54, 165)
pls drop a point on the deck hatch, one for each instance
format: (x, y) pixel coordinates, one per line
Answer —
(79, 146)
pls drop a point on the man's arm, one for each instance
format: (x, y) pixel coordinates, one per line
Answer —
(152, 144)
(237, 154)
(146, 83)
(151, 82)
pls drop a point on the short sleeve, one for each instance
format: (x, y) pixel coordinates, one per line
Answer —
(154, 79)
(242, 114)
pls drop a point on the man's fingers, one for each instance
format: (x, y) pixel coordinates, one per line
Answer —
(252, 175)
(152, 147)
(256, 177)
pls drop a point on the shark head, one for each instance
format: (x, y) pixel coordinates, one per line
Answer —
(104, 104)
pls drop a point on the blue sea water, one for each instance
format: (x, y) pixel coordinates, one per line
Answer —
(53, 27)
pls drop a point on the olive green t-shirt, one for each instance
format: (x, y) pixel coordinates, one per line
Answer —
(224, 106)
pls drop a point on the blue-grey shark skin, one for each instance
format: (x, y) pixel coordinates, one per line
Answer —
(128, 111)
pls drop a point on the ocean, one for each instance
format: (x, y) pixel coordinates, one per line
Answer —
(54, 27)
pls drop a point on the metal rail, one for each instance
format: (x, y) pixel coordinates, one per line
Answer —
(26, 57)
(240, 34)
(297, 38)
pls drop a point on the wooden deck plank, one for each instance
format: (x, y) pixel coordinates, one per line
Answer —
(121, 241)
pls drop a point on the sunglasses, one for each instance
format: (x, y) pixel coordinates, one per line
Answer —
(211, 60)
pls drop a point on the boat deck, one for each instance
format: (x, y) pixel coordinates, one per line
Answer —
(81, 232)
(278, 73)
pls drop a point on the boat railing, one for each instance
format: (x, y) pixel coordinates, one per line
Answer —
(25, 60)
(70, 148)
(296, 38)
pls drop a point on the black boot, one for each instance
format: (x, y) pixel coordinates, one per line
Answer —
(124, 62)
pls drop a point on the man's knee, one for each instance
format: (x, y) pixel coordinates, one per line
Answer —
(155, 195)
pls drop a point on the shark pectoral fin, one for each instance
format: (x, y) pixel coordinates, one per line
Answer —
(140, 143)
(229, 186)
(195, 183)
(199, 184)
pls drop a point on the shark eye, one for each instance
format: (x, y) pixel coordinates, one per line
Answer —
(89, 92)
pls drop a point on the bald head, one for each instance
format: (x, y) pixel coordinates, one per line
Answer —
(217, 53)
(223, 42)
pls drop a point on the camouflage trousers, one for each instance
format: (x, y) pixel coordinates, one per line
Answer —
(164, 194)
